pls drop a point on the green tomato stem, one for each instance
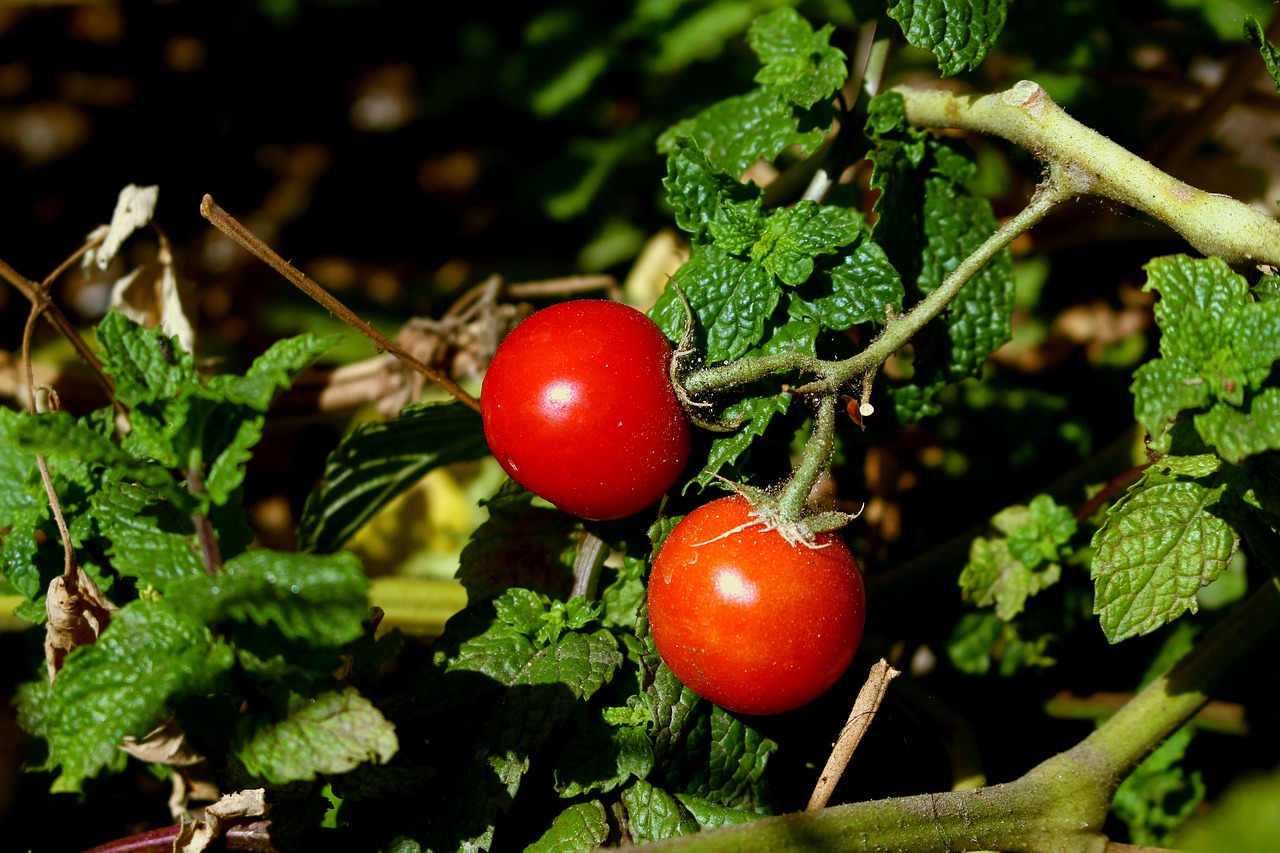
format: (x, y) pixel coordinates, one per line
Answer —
(815, 460)
(1084, 162)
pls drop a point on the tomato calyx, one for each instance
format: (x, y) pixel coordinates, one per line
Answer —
(770, 513)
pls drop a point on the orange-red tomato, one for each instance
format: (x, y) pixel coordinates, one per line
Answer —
(748, 620)
(578, 407)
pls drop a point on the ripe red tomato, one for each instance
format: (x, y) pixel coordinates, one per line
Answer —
(747, 619)
(579, 409)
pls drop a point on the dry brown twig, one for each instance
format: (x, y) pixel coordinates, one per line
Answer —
(864, 709)
(230, 226)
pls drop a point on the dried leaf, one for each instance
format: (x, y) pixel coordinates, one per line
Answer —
(78, 614)
(134, 209)
(241, 804)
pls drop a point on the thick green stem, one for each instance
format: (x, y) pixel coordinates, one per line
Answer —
(1086, 162)
(1057, 807)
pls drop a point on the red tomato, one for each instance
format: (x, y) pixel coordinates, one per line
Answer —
(579, 409)
(748, 620)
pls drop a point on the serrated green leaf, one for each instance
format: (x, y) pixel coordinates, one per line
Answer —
(995, 577)
(1246, 431)
(321, 599)
(982, 639)
(380, 460)
(623, 597)
(327, 734)
(1216, 346)
(738, 757)
(653, 814)
(959, 32)
(148, 538)
(578, 829)
(1160, 544)
(148, 655)
(731, 299)
(712, 815)
(273, 371)
(144, 364)
(799, 64)
(706, 201)
(861, 288)
(795, 235)
(520, 545)
(600, 758)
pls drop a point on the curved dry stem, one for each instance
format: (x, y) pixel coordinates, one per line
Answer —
(230, 226)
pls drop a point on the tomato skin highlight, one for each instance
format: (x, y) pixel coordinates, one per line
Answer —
(748, 620)
(578, 408)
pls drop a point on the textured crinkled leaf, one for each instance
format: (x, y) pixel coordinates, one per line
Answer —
(148, 538)
(799, 63)
(711, 815)
(581, 828)
(378, 461)
(736, 764)
(958, 32)
(738, 131)
(795, 235)
(1238, 433)
(653, 814)
(540, 695)
(981, 639)
(708, 202)
(120, 685)
(1160, 544)
(145, 365)
(861, 288)
(600, 758)
(731, 299)
(1216, 345)
(1256, 36)
(326, 734)
(79, 444)
(995, 577)
(322, 599)
(273, 371)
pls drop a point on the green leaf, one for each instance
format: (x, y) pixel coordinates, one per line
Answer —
(327, 734)
(519, 545)
(800, 65)
(712, 815)
(1160, 544)
(731, 298)
(148, 538)
(1217, 350)
(321, 599)
(754, 414)
(653, 814)
(145, 365)
(861, 288)
(1256, 36)
(542, 688)
(148, 655)
(707, 202)
(601, 758)
(795, 235)
(380, 460)
(959, 32)
(791, 108)
(273, 371)
(738, 756)
(581, 828)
